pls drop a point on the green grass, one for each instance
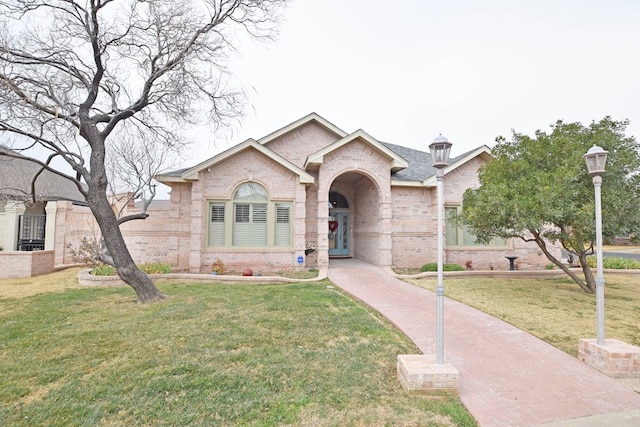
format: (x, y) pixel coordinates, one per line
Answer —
(228, 355)
(555, 310)
(617, 263)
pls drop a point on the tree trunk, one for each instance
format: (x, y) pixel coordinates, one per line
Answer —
(584, 286)
(588, 274)
(141, 283)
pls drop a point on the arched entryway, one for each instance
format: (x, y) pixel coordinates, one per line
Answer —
(355, 213)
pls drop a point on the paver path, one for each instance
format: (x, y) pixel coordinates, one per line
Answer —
(507, 377)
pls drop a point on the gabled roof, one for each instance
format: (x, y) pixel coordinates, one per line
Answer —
(409, 167)
(313, 117)
(16, 175)
(191, 174)
(316, 159)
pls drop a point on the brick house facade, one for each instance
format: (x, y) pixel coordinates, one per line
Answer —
(264, 203)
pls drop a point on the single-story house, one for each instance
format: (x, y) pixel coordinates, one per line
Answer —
(310, 192)
(295, 198)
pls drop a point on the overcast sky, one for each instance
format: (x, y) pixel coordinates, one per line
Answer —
(407, 70)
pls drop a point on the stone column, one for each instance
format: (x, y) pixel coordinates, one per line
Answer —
(50, 229)
(13, 210)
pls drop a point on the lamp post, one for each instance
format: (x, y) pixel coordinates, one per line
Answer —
(596, 158)
(440, 148)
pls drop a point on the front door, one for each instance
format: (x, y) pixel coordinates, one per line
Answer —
(339, 234)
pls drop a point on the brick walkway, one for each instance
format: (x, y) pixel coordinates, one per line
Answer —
(507, 377)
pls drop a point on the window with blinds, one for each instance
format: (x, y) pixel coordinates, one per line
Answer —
(459, 235)
(250, 219)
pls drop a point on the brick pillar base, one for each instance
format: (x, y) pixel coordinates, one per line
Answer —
(419, 374)
(615, 358)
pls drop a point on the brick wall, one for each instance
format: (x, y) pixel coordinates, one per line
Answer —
(368, 195)
(25, 264)
(297, 145)
(220, 183)
(415, 220)
(390, 225)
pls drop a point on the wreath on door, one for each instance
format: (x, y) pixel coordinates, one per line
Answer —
(333, 226)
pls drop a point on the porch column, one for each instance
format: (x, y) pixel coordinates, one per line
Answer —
(13, 210)
(386, 230)
(198, 214)
(50, 227)
(323, 218)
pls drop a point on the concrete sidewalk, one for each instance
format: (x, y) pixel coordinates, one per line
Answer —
(507, 377)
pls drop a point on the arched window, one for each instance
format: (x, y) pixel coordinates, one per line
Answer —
(249, 219)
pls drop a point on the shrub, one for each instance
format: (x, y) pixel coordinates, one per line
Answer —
(432, 266)
(151, 268)
(103, 270)
(615, 263)
(156, 268)
(218, 266)
(86, 252)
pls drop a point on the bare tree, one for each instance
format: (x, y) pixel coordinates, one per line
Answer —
(75, 75)
(132, 163)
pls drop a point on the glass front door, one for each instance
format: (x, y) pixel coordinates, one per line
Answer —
(339, 234)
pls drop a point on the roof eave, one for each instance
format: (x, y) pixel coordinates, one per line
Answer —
(192, 174)
(316, 159)
(302, 121)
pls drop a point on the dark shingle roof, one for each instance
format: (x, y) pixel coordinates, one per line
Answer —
(420, 165)
(16, 175)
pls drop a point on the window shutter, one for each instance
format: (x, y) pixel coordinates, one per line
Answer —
(451, 230)
(283, 225)
(216, 224)
(468, 238)
(250, 226)
(259, 225)
(241, 226)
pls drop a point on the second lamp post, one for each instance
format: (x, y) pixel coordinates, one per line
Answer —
(440, 149)
(596, 159)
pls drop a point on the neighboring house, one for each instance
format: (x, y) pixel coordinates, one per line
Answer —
(48, 214)
(310, 192)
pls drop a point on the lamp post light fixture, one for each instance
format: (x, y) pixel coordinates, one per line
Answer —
(418, 372)
(440, 148)
(596, 158)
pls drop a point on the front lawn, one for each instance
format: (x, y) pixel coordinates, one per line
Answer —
(212, 354)
(555, 310)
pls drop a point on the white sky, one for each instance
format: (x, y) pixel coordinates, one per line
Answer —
(407, 70)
